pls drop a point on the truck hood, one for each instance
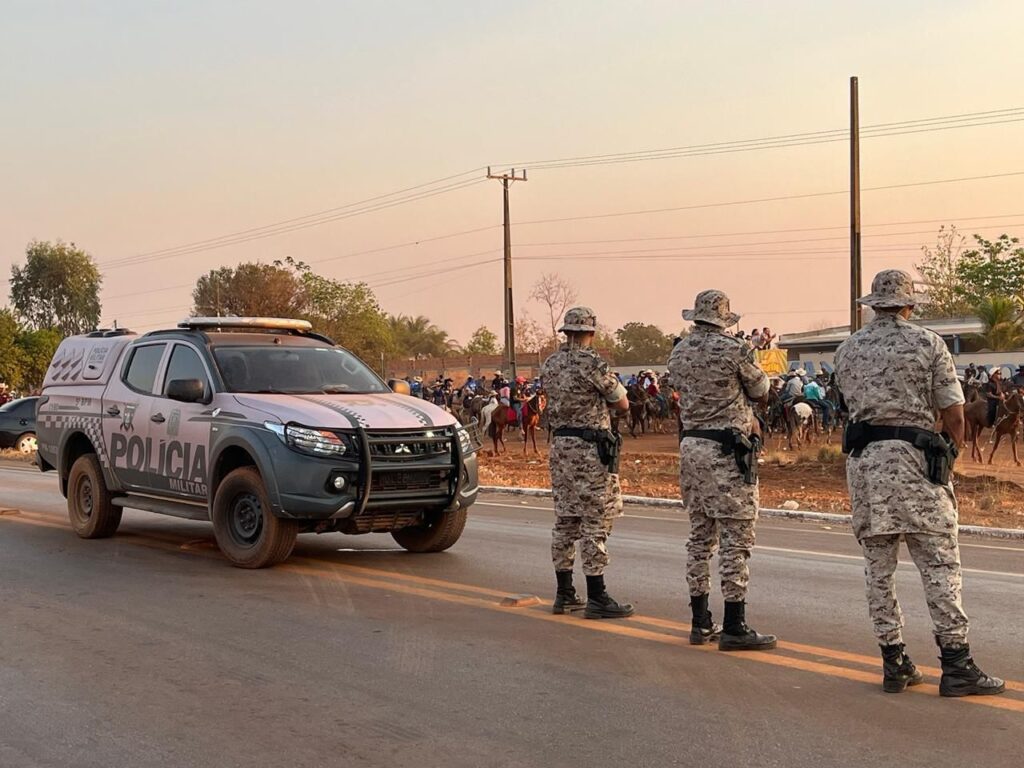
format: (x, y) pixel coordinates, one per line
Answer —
(384, 411)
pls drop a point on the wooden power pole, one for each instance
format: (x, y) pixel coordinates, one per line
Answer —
(510, 321)
(855, 277)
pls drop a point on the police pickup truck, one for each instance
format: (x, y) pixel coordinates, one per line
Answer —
(258, 425)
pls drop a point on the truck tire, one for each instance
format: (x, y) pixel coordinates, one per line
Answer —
(435, 536)
(90, 510)
(247, 532)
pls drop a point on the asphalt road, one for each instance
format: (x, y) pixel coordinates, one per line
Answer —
(149, 650)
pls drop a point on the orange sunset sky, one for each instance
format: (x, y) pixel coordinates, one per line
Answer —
(137, 127)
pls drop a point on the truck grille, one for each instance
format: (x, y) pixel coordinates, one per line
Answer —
(376, 522)
(414, 480)
(410, 446)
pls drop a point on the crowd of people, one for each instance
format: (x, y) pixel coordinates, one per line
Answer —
(759, 338)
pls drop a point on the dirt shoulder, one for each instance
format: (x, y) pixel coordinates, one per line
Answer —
(815, 478)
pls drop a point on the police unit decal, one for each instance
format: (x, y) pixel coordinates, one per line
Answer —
(182, 464)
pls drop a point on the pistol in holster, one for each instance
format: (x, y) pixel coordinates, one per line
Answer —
(745, 451)
(609, 447)
(940, 453)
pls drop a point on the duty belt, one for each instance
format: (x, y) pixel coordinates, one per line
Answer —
(590, 435)
(940, 452)
(725, 437)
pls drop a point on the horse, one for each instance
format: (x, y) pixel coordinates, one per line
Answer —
(532, 410)
(499, 423)
(806, 422)
(779, 417)
(1008, 419)
(639, 415)
(490, 405)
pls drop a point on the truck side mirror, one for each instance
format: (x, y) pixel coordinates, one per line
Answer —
(187, 390)
(399, 386)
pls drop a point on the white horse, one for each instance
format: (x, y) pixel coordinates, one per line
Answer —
(485, 413)
(804, 415)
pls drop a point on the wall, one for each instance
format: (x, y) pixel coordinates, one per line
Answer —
(1009, 360)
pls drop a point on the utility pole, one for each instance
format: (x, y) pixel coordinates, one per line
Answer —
(510, 321)
(855, 278)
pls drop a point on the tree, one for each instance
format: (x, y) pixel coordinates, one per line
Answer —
(557, 294)
(530, 337)
(939, 271)
(58, 287)
(348, 313)
(11, 362)
(482, 342)
(37, 350)
(1002, 321)
(993, 268)
(251, 290)
(639, 343)
(417, 337)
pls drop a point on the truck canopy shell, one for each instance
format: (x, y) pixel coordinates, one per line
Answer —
(86, 360)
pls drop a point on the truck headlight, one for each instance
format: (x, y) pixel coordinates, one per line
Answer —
(315, 442)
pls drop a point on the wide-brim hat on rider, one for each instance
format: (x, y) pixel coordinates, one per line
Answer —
(892, 289)
(712, 307)
(579, 320)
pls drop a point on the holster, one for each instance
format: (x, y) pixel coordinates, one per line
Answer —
(609, 447)
(743, 449)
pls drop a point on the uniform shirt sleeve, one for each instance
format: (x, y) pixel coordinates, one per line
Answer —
(755, 381)
(947, 390)
(604, 381)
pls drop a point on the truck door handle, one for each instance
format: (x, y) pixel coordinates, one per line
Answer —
(158, 418)
(113, 411)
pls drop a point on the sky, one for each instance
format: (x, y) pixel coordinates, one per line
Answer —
(136, 126)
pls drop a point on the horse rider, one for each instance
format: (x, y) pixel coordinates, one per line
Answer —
(995, 393)
(1017, 380)
(970, 374)
(896, 378)
(470, 386)
(983, 376)
(717, 377)
(794, 387)
(814, 394)
(416, 387)
(584, 464)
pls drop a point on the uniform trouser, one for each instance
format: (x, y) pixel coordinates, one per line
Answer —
(734, 539)
(591, 531)
(937, 557)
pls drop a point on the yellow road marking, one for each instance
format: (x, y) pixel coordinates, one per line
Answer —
(392, 581)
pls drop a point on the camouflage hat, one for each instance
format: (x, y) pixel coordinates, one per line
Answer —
(579, 320)
(892, 289)
(712, 307)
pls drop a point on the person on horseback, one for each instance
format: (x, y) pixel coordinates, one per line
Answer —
(814, 394)
(995, 393)
(583, 459)
(717, 377)
(970, 374)
(896, 378)
(794, 387)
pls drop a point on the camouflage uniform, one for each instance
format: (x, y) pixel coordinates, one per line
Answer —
(716, 375)
(895, 373)
(587, 497)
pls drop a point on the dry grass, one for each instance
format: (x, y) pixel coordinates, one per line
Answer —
(9, 455)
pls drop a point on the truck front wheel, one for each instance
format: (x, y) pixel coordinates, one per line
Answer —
(89, 505)
(437, 534)
(245, 527)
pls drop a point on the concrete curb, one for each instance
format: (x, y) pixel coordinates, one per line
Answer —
(1013, 534)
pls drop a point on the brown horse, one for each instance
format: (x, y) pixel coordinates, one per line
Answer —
(532, 410)
(499, 423)
(1008, 419)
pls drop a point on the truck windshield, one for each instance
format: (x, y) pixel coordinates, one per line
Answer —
(295, 371)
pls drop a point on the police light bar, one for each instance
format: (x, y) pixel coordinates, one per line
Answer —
(271, 323)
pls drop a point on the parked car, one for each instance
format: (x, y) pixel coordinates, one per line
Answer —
(18, 424)
(258, 425)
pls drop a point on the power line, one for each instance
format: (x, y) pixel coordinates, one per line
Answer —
(753, 201)
(215, 243)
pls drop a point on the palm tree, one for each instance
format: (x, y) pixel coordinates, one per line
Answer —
(1002, 320)
(417, 336)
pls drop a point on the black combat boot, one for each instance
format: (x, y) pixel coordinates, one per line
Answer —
(898, 671)
(961, 676)
(702, 628)
(600, 604)
(737, 636)
(566, 598)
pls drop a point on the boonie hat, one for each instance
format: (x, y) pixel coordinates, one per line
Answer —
(579, 320)
(712, 307)
(892, 289)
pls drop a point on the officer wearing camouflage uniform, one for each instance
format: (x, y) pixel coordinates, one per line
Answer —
(581, 389)
(717, 376)
(893, 373)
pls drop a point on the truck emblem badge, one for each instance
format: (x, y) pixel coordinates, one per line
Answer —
(402, 448)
